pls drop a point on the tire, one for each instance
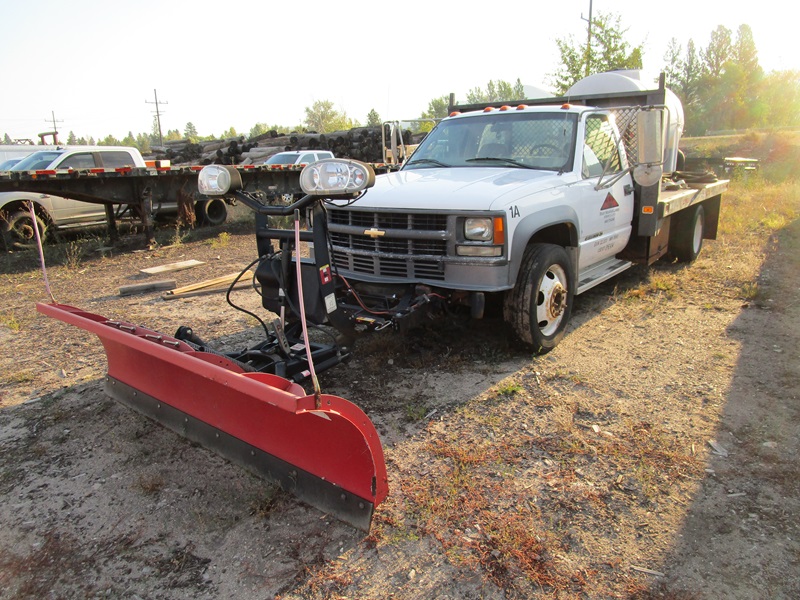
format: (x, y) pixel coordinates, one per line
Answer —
(17, 230)
(539, 307)
(686, 240)
(212, 212)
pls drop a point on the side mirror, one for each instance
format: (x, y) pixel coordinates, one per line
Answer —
(650, 147)
(650, 135)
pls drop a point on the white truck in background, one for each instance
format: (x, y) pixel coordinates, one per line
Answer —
(54, 212)
(534, 202)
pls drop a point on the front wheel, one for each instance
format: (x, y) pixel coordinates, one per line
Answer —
(539, 306)
(17, 229)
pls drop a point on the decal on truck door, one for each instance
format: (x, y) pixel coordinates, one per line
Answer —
(610, 202)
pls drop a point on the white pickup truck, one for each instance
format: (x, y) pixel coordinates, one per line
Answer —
(55, 212)
(535, 203)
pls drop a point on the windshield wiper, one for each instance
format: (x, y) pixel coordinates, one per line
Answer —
(509, 161)
(429, 161)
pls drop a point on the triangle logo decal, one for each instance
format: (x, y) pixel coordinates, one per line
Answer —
(609, 203)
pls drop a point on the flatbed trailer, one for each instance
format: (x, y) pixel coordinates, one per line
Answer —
(142, 188)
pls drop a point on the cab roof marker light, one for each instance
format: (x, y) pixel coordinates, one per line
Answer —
(488, 109)
(505, 107)
(566, 106)
(522, 106)
(455, 113)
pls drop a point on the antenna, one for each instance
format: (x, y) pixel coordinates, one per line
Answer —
(158, 116)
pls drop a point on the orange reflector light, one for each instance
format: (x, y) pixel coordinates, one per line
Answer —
(647, 210)
(499, 231)
(566, 106)
(504, 107)
(522, 107)
(488, 109)
(454, 113)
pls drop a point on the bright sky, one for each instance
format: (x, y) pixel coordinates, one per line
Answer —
(95, 64)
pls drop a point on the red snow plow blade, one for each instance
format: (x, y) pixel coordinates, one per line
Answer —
(328, 453)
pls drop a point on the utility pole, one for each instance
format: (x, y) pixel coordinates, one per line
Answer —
(158, 116)
(589, 38)
(54, 132)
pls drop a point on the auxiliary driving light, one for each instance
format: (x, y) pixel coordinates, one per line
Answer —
(217, 180)
(336, 177)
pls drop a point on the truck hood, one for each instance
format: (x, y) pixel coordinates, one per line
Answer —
(462, 188)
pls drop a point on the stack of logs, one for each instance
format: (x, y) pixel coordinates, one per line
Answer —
(359, 143)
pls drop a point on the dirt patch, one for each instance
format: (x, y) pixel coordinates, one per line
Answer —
(651, 455)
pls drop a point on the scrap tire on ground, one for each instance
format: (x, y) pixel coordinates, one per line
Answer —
(212, 212)
(17, 229)
(686, 234)
(539, 306)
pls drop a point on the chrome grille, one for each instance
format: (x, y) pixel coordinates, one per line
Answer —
(413, 245)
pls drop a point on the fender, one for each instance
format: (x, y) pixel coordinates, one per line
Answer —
(537, 221)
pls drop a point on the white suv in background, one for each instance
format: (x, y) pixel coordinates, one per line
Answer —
(298, 157)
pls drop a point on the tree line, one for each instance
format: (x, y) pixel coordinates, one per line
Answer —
(722, 87)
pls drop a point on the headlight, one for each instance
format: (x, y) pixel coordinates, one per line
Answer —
(336, 177)
(478, 229)
(217, 180)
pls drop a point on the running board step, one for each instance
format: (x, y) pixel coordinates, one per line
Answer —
(600, 272)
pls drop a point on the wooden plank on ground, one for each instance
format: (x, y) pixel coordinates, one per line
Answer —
(171, 295)
(176, 266)
(224, 280)
(150, 286)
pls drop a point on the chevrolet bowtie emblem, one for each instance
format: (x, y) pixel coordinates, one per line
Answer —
(374, 233)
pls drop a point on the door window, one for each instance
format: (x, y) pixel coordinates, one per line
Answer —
(82, 160)
(116, 159)
(601, 149)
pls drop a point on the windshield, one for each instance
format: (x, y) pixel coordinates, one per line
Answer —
(36, 161)
(5, 165)
(532, 140)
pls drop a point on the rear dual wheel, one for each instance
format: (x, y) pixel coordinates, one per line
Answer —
(539, 306)
(686, 239)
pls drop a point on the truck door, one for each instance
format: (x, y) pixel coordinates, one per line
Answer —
(605, 213)
(66, 210)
